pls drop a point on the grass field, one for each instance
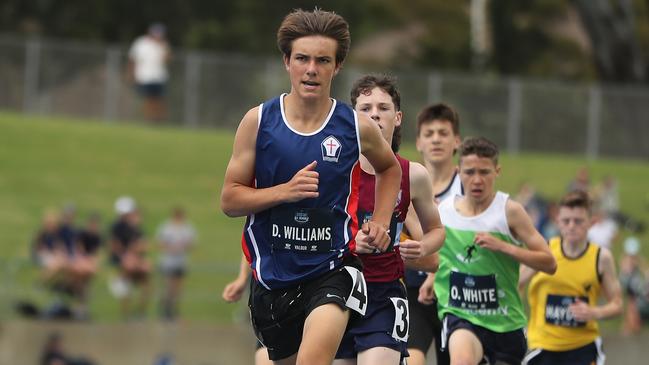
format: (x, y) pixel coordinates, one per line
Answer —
(47, 162)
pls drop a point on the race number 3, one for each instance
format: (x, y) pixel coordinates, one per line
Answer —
(357, 299)
(401, 319)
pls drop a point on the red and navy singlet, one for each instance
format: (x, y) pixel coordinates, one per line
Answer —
(385, 266)
(294, 242)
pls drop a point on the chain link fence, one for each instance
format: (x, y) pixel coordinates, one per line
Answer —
(212, 90)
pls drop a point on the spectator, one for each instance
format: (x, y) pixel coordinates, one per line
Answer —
(607, 196)
(86, 261)
(58, 263)
(148, 58)
(53, 351)
(67, 229)
(54, 354)
(128, 254)
(603, 230)
(533, 203)
(548, 226)
(634, 275)
(49, 250)
(76, 272)
(581, 181)
(176, 237)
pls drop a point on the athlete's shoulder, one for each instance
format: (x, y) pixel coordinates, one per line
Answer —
(418, 173)
(516, 215)
(511, 206)
(274, 104)
(605, 255)
(251, 118)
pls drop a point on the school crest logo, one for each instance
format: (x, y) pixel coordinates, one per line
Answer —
(331, 148)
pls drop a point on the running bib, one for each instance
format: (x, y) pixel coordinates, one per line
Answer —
(557, 311)
(357, 298)
(401, 319)
(473, 291)
(304, 230)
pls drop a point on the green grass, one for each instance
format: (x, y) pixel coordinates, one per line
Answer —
(46, 162)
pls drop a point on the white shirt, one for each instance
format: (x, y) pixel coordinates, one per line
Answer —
(149, 57)
(176, 239)
(603, 232)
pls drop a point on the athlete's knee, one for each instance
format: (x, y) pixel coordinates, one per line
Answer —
(313, 355)
(379, 355)
(417, 357)
(306, 359)
(463, 359)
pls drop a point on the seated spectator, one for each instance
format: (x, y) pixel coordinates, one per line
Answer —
(77, 275)
(67, 228)
(86, 260)
(48, 248)
(128, 250)
(634, 275)
(176, 236)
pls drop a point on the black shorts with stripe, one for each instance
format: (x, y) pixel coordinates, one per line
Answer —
(278, 316)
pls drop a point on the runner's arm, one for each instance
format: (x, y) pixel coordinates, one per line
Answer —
(526, 274)
(610, 286)
(537, 255)
(421, 193)
(239, 197)
(388, 180)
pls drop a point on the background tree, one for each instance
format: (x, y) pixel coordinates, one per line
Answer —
(612, 31)
(578, 40)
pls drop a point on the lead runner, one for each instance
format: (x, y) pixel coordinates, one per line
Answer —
(294, 172)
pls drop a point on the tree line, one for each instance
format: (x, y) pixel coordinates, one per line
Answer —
(523, 37)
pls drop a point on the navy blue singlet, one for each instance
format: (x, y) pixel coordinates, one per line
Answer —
(294, 242)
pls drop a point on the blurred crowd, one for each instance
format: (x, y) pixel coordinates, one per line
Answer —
(69, 257)
(610, 223)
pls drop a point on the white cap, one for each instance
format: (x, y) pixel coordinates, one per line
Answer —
(631, 246)
(124, 205)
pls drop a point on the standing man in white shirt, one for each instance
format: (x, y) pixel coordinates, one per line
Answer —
(148, 59)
